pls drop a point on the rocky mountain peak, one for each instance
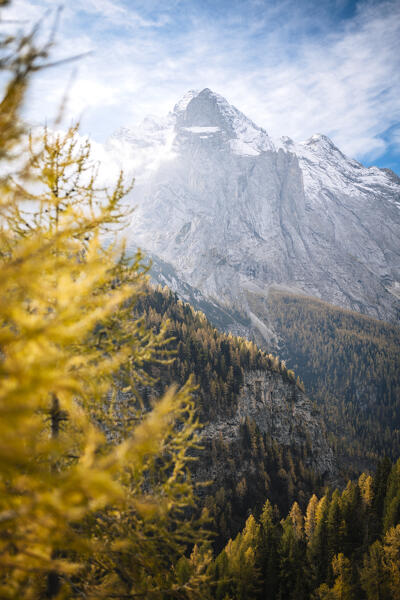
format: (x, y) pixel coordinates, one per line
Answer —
(181, 105)
(319, 138)
(204, 110)
(245, 214)
(320, 143)
(205, 114)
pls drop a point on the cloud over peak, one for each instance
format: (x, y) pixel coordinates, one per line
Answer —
(294, 68)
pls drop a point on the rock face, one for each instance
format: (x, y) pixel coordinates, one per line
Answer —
(274, 446)
(283, 412)
(234, 213)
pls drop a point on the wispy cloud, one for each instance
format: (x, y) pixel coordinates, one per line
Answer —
(294, 68)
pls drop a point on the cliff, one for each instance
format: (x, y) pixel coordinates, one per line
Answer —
(283, 413)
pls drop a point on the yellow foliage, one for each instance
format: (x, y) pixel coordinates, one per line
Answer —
(392, 560)
(93, 484)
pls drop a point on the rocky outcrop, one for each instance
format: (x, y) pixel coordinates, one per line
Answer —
(282, 412)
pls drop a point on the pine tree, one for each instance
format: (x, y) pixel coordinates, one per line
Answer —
(373, 574)
(238, 564)
(392, 560)
(292, 549)
(354, 518)
(334, 526)
(269, 557)
(343, 588)
(379, 493)
(365, 483)
(391, 514)
(317, 548)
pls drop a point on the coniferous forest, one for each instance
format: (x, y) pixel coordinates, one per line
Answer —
(344, 546)
(218, 363)
(109, 487)
(351, 366)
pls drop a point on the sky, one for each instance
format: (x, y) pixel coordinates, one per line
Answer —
(295, 67)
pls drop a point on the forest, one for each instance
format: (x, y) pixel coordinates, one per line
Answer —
(344, 546)
(350, 364)
(218, 363)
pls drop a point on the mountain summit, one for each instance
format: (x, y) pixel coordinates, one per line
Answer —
(206, 113)
(232, 213)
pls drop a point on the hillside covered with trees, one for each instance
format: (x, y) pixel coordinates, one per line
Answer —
(350, 364)
(218, 363)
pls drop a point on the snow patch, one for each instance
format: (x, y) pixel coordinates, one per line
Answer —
(201, 129)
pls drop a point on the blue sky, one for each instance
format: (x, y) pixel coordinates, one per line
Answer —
(294, 67)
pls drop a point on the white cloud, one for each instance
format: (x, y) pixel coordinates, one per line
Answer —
(394, 139)
(341, 80)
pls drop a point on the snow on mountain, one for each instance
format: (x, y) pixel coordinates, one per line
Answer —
(143, 148)
(181, 105)
(325, 166)
(240, 133)
(234, 212)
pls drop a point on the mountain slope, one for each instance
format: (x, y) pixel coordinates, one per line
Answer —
(261, 435)
(351, 366)
(231, 218)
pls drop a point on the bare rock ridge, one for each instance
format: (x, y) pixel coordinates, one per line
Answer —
(231, 213)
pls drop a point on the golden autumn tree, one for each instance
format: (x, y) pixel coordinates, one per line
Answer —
(237, 573)
(94, 485)
(392, 559)
(343, 588)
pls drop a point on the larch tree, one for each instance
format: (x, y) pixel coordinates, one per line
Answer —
(94, 490)
(310, 518)
(343, 588)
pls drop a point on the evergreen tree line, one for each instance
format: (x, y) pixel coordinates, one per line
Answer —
(246, 472)
(351, 367)
(344, 546)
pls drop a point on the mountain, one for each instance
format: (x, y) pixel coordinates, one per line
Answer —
(235, 214)
(277, 241)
